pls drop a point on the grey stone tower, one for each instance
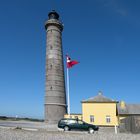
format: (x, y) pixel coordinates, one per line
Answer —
(55, 98)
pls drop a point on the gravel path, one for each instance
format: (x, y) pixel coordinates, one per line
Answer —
(14, 134)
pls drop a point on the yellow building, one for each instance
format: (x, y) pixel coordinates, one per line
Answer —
(100, 110)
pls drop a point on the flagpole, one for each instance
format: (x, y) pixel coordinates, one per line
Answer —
(68, 96)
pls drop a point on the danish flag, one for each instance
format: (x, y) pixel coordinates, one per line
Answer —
(71, 63)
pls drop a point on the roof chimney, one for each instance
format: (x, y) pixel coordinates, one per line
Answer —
(100, 93)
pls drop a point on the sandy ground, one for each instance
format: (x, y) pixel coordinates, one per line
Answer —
(40, 131)
(7, 133)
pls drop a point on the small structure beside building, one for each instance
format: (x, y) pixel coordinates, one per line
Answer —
(126, 110)
(129, 117)
(74, 116)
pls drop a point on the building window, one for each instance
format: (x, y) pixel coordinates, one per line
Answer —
(108, 119)
(91, 118)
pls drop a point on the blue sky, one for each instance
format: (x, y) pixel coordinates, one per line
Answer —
(104, 35)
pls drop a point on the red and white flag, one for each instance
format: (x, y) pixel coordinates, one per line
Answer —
(71, 63)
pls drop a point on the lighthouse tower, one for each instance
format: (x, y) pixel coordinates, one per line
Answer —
(55, 97)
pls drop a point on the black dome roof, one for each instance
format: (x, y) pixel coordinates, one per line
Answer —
(53, 15)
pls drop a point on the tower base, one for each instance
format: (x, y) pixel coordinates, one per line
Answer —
(50, 110)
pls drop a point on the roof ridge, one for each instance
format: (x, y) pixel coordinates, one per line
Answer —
(99, 98)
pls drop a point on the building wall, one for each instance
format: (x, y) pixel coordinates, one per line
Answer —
(100, 111)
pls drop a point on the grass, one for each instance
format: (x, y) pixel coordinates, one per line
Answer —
(18, 119)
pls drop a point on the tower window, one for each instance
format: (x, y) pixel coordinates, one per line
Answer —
(51, 47)
(51, 66)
